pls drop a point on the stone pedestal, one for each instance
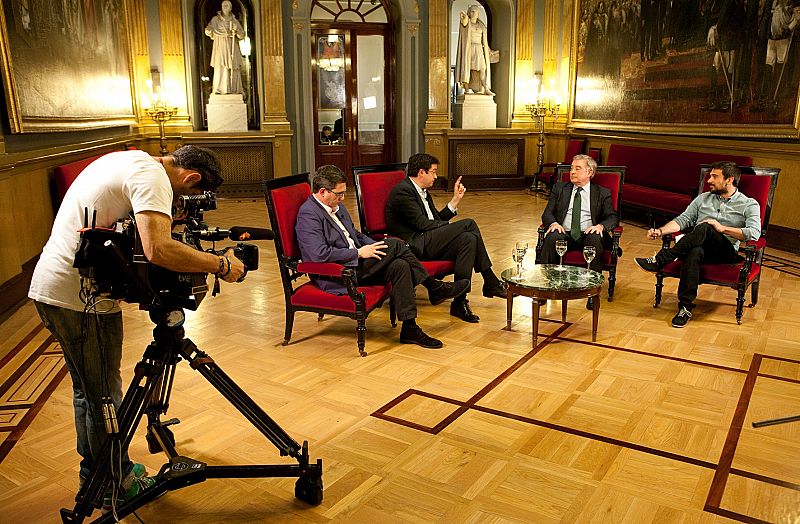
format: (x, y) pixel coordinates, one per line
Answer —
(226, 113)
(473, 111)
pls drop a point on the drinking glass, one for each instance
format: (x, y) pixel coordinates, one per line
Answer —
(518, 254)
(561, 248)
(588, 255)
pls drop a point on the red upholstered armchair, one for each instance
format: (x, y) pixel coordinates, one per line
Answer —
(284, 197)
(611, 177)
(758, 183)
(373, 185)
(547, 171)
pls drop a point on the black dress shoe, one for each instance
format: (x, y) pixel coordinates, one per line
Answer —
(462, 310)
(495, 290)
(443, 290)
(415, 335)
(590, 303)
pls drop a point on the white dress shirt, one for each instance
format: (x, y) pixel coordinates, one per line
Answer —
(586, 213)
(332, 212)
(423, 193)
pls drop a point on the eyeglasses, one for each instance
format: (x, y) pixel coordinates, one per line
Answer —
(339, 194)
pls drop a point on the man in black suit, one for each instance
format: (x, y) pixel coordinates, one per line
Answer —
(412, 216)
(325, 233)
(581, 221)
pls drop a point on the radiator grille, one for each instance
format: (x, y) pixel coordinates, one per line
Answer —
(481, 159)
(244, 166)
(489, 164)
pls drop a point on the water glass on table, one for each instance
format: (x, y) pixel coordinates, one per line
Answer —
(561, 248)
(589, 253)
(518, 254)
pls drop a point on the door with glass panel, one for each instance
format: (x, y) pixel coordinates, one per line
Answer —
(352, 96)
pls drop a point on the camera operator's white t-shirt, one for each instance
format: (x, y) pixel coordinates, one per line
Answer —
(114, 185)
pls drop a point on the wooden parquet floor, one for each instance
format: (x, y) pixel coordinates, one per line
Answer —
(647, 424)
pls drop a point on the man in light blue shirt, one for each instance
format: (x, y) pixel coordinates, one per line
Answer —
(720, 219)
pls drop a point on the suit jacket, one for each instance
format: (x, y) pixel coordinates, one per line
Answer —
(600, 207)
(405, 212)
(321, 240)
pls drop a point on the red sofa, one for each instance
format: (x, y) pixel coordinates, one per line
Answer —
(662, 181)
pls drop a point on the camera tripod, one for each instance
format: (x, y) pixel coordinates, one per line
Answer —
(149, 394)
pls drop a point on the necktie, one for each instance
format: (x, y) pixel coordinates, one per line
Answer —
(575, 227)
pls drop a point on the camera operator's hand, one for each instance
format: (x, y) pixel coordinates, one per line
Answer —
(234, 268)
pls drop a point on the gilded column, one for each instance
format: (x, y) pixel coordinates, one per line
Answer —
(523, 67)
(438, 82)
(275, 119)
(438, 68)
(139, 54)
(173, 77)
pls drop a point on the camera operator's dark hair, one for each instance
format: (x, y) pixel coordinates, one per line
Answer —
(729, 170)
(202, 160)
(326, 176)
(419, 161)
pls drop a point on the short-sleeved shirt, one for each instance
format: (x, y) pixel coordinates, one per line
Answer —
(114, 185)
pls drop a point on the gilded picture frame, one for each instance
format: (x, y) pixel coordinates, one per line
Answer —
(66, 65)
(686, 69)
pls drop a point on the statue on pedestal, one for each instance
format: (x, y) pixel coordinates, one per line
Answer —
(226, 57)
(474, 55)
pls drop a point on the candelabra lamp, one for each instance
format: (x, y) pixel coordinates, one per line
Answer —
(539, 110)
(161, 113)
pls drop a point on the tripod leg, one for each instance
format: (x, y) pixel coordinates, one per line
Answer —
(206, 366)
(99, 480)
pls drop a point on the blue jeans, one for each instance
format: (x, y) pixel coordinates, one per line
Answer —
(92, 346)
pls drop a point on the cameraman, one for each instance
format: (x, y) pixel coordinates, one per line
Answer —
(90, 334)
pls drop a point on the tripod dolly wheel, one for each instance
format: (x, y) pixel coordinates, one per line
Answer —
(309, 489)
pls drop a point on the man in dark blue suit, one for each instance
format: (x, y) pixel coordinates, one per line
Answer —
(325, 233)
(412, 216)
(589, 225)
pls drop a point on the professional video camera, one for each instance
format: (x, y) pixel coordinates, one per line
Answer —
(113, 263)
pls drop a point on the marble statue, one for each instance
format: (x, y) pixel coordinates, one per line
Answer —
(473, 54)
(226, 58)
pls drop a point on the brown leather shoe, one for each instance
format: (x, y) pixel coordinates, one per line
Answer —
(462, 310)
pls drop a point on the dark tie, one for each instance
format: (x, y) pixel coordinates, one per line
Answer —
(575, 227)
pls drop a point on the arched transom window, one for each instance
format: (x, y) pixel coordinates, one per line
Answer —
(348, 11)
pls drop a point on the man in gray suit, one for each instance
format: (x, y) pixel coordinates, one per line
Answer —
(325, 233)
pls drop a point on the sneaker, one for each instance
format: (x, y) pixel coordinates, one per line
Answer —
(682, 318)
(137, 481)
(648, 264)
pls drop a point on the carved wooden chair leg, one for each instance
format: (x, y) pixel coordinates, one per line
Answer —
(659, 287)
(287, 333)
(319, 318)
(361, 330)
(739, 305)
(392, 313)
(612, 281)
(754, 292)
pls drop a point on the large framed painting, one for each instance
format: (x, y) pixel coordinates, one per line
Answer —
(690, 67)
(66, 64)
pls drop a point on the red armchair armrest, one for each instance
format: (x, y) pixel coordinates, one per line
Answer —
(325, 269)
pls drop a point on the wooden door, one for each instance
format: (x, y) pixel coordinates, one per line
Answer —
(353, 113)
